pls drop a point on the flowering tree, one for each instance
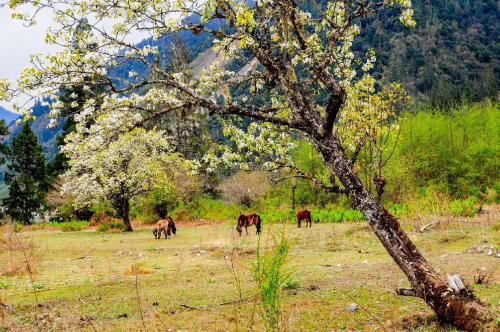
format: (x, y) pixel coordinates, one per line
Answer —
(298, 52)
(132, 164)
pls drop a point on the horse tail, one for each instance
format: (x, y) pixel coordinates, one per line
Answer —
(174, 229)
(258, 224)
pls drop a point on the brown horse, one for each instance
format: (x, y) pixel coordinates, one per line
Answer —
(246, 221)
(165, 225)
(304, 215)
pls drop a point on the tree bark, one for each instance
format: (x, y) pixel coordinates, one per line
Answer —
(126, 215)
(461, 309)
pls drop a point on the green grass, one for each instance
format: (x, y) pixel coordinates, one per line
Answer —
(86, 278)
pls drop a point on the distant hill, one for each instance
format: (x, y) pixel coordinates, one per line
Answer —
(7, 115)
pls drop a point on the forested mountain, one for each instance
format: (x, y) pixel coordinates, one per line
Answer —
(7, 115)
(451, 56)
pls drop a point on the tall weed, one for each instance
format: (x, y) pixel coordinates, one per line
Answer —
(271, 273)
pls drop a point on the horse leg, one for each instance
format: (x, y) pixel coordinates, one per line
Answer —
(298, 222)
(154, 233)
(246, 229)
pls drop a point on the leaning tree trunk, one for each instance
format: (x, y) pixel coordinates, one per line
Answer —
(459, 308)
(125, 208)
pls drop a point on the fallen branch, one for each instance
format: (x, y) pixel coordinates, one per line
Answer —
(219, 304)
(8, 308)
(423, 228)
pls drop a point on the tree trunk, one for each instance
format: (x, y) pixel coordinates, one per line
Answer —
(293, 196)
(462, 309)
(126, 215)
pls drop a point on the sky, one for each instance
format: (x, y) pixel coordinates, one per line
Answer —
(18, 42)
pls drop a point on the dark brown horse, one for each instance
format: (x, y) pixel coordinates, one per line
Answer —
(304, 215)
(246, 221)
(165, 225)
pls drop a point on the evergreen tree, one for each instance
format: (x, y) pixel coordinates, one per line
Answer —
(3, 147)
(26, 176)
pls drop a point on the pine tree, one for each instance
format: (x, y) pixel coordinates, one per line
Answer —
(26, 176)
(3, 147)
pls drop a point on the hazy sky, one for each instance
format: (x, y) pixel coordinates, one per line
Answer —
(17, 43)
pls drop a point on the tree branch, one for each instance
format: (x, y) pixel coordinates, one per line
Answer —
(299, 174)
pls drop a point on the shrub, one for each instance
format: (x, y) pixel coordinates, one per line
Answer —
(73, 226)
(245, 187)
(272, 275)
(290, 283)
(17, 227)
(463, 208)
(111, 226)
(203, 206)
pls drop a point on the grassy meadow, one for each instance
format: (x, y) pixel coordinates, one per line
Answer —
(102, 281)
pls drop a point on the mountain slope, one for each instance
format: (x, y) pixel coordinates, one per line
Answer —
(7, 115)
(451, 56)
(46, 136)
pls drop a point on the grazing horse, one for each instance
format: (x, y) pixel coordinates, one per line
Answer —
(304, 215)
(165, 225)
(246, 221)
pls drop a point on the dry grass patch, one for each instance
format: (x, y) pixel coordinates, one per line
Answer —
(139, 269)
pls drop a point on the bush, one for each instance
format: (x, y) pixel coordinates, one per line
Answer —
(203, 206)
(463, 208)
(111, 226)
(245, 188)
(290, 283)
(17, 227)
(272, 275)
(73, 226)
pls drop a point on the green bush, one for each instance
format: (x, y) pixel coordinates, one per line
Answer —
(463, 208)
(454, 151)
(333, 214)
(106, 208)
(290, 283)
(271, 273)
(205, 207)
(17, 227)
(73, 226)
(111, 226)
